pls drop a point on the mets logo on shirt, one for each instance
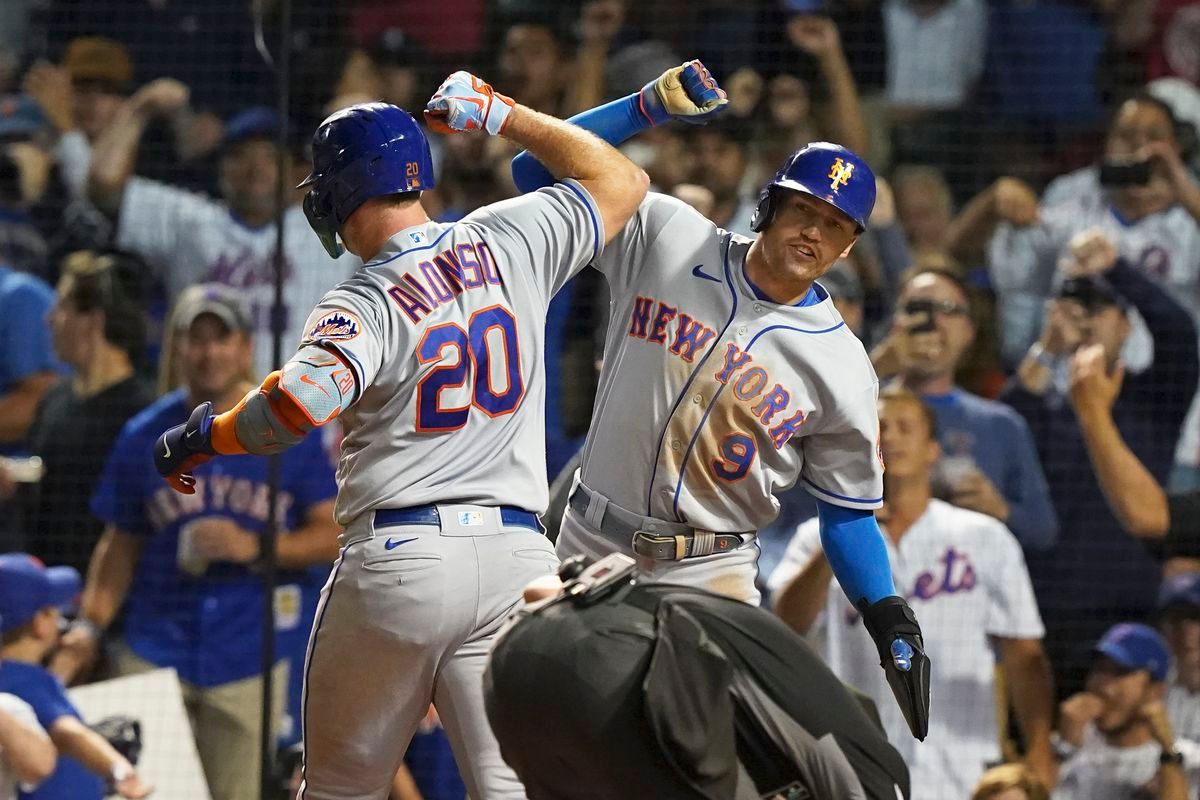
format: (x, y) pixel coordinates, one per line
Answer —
(337, 325)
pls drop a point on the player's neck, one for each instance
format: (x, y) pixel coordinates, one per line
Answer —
(784, 290)
(929, 385)
(108, 366)
(906, 500)
(370, 227)
(25, 651)
(1134, 735)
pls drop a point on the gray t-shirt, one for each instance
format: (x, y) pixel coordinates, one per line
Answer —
(444, 331)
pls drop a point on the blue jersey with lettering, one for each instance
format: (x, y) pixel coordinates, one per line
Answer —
(47, 697)
(206, 626)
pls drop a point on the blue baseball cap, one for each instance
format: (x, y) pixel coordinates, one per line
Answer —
(1180, 591)
(1135, 647)
(256, 122)
(27, 586)
(20, 117)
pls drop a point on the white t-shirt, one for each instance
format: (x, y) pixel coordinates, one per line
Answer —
(192, 239)
(965, 577)
(18, 708)
(1098, 771)
(1183, 709)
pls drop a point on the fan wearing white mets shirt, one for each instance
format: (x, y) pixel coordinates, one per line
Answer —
(964, 574)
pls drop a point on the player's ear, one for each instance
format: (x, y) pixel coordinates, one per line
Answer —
(849, 247)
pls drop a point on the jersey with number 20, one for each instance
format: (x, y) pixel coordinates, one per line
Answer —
(443, 332)
(712, 399)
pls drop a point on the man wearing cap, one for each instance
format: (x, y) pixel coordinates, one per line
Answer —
(1179, 622)
(27, 756)
(989, 463)
(1097, 574)
(1114, 737)
(183, 569)
(189, 238)
(728, 376)
(31, 599)
(965, 576)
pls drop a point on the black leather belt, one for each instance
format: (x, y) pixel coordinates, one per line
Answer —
(688, 543)
(510, 516)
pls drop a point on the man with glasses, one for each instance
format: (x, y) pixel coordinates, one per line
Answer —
(1097, 574)
(989, 463)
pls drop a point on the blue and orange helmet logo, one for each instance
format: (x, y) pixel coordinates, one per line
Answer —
(336, 325)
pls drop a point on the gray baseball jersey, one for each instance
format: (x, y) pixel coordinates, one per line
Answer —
(444, 332)
(711, 399)
(192, 239)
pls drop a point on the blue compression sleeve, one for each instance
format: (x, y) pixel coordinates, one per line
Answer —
(856, 551)
(613, 122)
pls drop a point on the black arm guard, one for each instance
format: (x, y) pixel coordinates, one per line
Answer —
(897, 636)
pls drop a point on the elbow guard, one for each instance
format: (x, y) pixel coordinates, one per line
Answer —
(310, 391)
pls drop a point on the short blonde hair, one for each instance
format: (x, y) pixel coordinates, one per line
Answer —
(1010, 776)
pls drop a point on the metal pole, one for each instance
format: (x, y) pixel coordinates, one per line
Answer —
(282, 67)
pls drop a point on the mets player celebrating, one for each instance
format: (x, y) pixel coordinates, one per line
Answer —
(729, 375)
(432, 356)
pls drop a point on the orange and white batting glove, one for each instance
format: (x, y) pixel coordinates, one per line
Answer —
(466, 103)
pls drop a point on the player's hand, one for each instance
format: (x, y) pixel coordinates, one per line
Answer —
(687, 92)
(1092, 252)
(1015, 202)
(185, 447)
(897, 636)
(76, 653)
(1076, 713)
(134, 787)
(222, 539)
(466, 103)
(1093, 388)
(51, 86)
(161, 97)
(976, 493)
(815, 34)
(1062, 332)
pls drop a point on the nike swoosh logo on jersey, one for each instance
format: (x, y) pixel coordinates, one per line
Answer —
(392, 544)
(699, 272)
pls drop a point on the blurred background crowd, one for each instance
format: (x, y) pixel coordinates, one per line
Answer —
(1028, 289)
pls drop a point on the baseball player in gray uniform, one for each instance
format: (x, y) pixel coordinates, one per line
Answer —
(432, 356)
(729, 375)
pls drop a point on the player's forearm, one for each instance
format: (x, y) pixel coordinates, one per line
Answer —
(613, 122)
(616, 184)
(857, 553)
(1135, 497)
(1032, 689)
(27, 750)
(316, 542)
(968, 233)
(74, 739)
(19, 406)
(847, 126)
(110, 574)
(801, 601)
(114, 155)
(311, 390)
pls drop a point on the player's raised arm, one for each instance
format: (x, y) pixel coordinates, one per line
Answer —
(616, 184)
(688, 93)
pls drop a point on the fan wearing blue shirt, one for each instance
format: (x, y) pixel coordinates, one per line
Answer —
(27, 363)
(183, 567)
(31, 597)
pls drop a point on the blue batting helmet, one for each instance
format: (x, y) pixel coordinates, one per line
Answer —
(364, 151)
(828, 172)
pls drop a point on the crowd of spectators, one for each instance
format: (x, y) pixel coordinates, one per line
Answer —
(1028, 289)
